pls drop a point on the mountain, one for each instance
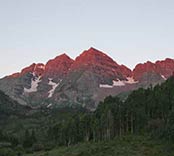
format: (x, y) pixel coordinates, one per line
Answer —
(96, 61)
(58, 68)
(9, 106)
(84, 81)
(89, 70)
(163, 68)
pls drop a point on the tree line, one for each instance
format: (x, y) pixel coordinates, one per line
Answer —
(146, 111)
(149, 111)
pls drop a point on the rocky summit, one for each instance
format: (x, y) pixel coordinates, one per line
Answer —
(84, 81)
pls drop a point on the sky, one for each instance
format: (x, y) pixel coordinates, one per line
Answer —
(130, 31)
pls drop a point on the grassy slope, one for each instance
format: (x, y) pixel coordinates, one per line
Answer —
(125, 146)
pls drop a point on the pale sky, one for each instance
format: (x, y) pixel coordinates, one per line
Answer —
(130, 31)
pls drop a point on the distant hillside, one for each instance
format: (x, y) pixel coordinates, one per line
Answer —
(9, 106)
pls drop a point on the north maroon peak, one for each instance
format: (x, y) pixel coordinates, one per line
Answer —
(63, 56)
(58, 67)
(53, 67)
(60, 58)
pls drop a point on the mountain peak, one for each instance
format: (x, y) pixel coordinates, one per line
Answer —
(38, 69)
(63, 57)
(98, 62)
(93, 56)
(59, 66)
(165, 68)
(92, 49)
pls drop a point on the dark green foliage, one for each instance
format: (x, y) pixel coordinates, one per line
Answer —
(7, 152)
(29, 139)
(145, 111)
(122, 146)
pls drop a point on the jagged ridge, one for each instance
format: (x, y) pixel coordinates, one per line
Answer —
(85, 80)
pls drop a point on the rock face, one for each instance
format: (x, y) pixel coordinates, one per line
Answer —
(58, 68)
(89, 70)
(163, 68)
(84, 81)
(38, 69)
(166, 67)
(99, 63)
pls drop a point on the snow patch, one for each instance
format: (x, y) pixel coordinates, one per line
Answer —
(54, 86)
(163, 77)
(40, 66)
(119, 83)
(105, 86)
(49, 105)
(130, 80)
(34, 84)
